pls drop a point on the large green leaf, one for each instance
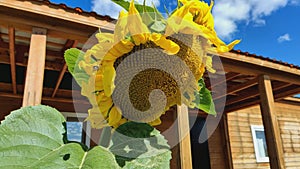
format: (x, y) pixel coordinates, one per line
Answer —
(204, 99)
(72, 57)
(33, 138)
(140, 146)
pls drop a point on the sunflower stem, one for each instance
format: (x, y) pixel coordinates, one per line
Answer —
(105, 137)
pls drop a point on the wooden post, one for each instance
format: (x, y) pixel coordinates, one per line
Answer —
(270, 122)
(226, 141)
(184, 135)
(35, 68)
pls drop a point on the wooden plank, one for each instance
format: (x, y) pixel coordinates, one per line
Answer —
(184, 137)
(11, 34)
(63, 71)
(35, 69)
(272, 131)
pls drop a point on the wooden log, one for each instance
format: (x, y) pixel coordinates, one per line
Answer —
(270, 122)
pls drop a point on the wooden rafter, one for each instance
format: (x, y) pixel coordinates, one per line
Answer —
(253, 99)
(229, 76)
(63, 71)
(11, 34)
(290, 91)
(252, 93)
(240, 87)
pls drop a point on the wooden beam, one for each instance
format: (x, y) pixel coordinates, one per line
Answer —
(22, 38)
(274, 71)
(67, 15)
(47, 92)
(269, 117)
(11, 34)
(63, 71)
(184, 137)
(59, 100)
(35, 69)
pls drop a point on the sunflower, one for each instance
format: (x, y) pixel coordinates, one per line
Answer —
(189, 33)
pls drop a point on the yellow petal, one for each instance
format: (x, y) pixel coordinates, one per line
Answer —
(114, 116)
(208, 64)
(120, 28)
(105, 37)
(156, 122)
(175, 20)
(169, 46)
(98, 82)
(96, 119)
(109, 75)
(88, 68)
(122, 121)
(136, 27)
(119, 49)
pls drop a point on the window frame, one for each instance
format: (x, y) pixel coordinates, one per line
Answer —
(255, 128)
(88, 129)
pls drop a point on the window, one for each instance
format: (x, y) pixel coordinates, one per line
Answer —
(260, 145)
(78, 129)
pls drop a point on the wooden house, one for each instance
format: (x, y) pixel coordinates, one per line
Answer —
(258, 126)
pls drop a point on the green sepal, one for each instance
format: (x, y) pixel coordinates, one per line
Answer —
(72, 57)
(204, 99)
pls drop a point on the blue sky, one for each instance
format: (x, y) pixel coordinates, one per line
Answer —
(269, 28)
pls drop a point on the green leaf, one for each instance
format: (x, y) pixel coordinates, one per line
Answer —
(204, 99)
(72, 57)
(140, 146)
(32, 138)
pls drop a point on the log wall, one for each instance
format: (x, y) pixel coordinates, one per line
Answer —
(242, 147)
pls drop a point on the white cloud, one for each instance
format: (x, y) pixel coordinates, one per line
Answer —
(283, 38)
(295, 2)
(228, 13)
(107, 7)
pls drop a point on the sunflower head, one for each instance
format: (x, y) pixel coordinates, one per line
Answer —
(137, 73)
